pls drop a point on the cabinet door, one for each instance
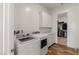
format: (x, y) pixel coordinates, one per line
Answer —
(49, 22)
(51, 39)
(29, 48)
(45, 19)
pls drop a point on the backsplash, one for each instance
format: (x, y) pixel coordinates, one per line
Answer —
(45, 29)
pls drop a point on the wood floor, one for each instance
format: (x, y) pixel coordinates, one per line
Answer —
(58, 49)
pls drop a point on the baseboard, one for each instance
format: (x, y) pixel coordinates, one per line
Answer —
(52, 45)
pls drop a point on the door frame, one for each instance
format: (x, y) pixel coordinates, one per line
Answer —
(65, 11)
(8, 28)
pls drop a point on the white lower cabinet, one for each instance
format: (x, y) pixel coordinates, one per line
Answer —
(51, 39)
(30, 48)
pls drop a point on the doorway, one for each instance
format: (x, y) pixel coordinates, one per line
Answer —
(62, 28)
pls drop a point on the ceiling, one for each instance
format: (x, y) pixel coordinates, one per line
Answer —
(50, 5)
(53, 5)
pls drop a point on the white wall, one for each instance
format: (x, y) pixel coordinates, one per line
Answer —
(62, 17)
(27, 20)
(1, 28)
(73, 22)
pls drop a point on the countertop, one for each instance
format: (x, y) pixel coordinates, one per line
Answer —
(40, 35)
(36, 36)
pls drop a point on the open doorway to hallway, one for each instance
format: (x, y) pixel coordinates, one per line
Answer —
(62, 28)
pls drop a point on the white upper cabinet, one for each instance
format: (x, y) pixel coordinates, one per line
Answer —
(45, 19)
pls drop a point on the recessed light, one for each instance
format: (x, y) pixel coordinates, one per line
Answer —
(28, 9)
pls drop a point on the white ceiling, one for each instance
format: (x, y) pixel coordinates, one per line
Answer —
(53, 5)
(50, 5)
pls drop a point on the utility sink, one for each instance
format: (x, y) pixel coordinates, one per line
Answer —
(26, 39)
